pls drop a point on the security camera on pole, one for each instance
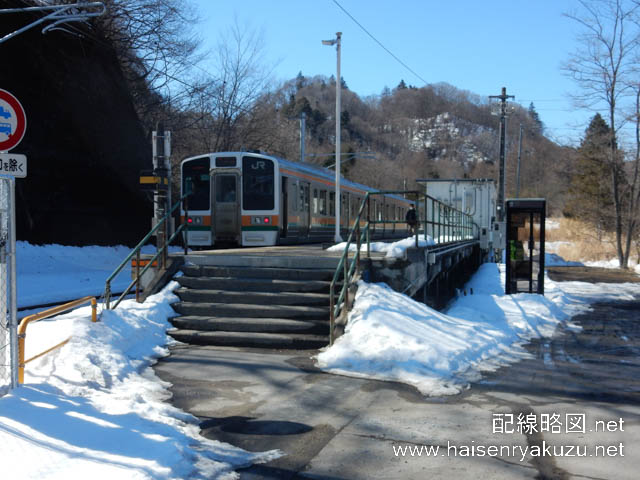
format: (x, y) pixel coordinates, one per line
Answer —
(161, 146)
(336, 42)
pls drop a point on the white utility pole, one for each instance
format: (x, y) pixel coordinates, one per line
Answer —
(336, 42)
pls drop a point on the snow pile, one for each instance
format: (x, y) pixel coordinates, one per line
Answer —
(391, 337)
(613, 263)
(392, 250)
(555, 260)
(550, 224)
(95, 408)
(57, 273)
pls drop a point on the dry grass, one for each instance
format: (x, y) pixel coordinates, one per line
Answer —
(583, 243)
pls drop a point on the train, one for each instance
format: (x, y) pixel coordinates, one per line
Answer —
(253, 199)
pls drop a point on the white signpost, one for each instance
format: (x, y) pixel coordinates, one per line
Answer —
(13, 125)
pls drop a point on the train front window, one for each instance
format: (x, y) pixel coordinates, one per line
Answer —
(225, 188)
(195, 179)
(257, 184)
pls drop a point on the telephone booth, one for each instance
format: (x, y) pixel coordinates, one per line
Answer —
(525, 245)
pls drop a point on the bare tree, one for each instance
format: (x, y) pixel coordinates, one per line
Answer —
(157, 48)
(601, 67)
(234, 102)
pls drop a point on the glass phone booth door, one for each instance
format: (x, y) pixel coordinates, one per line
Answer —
(525, 246)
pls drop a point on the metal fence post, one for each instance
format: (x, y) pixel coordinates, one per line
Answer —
(138, 276)
(14, 296)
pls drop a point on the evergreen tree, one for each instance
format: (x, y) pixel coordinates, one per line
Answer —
(401, 85)
(590, 189)
(301, 81)
(538, 125)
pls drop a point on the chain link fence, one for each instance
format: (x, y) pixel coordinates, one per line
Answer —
(8, 337)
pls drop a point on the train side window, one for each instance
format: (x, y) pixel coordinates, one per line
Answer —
(294, 196)
(301, 198)
(332, 204)
(315, 201)
(323, 202)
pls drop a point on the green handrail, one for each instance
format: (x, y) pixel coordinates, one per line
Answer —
(452, 225)
(136, 251)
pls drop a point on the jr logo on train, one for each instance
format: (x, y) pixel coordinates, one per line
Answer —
(252, 199)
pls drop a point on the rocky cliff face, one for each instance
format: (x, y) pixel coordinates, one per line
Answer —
(84, 142)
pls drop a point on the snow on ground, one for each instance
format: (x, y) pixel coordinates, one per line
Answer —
(550, 224)
(94, 408)
(56, 273)
(392, 250)
(555, 260)
(389, 336)
(613, 263)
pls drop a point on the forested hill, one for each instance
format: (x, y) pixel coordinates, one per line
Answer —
(435, 131)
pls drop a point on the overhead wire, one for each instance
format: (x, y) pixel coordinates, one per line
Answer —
(379, 42)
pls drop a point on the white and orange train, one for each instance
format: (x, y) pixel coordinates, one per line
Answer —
(253, 199)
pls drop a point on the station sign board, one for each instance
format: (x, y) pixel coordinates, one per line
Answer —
(13, 164)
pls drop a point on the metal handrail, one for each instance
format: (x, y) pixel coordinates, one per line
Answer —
(334, 308)
(136, 251)
(452, 225)
(140, 273)
(24, 323)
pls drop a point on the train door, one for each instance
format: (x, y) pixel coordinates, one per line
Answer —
(284, 205)
(304, 208)
(226, 207)
(344, 213)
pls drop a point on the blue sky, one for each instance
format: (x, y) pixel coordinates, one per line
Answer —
(478, 46)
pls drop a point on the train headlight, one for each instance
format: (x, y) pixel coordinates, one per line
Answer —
(266, 220)
(189, 220)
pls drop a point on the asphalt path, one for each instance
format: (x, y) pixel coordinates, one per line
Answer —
(570, 411)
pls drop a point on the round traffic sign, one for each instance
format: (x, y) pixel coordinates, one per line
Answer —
(13, 121)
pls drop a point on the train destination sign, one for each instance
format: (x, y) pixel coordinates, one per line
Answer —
(13, 121)
(13, 164)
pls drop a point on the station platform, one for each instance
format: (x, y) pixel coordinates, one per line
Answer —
(310, 256)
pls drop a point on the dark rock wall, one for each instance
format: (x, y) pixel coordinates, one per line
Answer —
(84, 142)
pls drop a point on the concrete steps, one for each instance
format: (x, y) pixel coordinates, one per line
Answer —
(251, 339)
(264, 272)
(251, 310)
(239, 324)
(254, 304)
(245, 284)
(258, 298)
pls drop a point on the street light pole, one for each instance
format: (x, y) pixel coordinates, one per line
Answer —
(336, 42)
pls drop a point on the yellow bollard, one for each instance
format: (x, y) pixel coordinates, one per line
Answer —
(94, 310)
(21, 336)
